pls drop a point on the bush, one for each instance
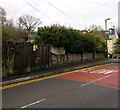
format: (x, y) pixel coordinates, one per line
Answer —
(72, 40)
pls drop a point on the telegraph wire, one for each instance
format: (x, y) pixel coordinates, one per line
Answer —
(68, 16)
(65, 14)
(36, 9)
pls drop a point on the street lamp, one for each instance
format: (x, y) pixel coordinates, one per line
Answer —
(106, 23)
(106, 36)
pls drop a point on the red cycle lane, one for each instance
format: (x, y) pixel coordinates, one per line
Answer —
(105, 75)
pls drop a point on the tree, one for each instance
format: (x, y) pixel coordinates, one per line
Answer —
(29, 23)
(54, 35)
(89, 43)
(95, 27)
(72, 40)
(2, 16)
(117, 46)
(10, 33)
(99, 36)
(118, 33)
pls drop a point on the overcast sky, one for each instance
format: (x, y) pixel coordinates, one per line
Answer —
(79, 14)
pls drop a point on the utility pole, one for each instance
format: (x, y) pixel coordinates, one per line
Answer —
(119, 17)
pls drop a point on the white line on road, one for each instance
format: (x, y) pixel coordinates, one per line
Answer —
(28, 105)
(94, 81)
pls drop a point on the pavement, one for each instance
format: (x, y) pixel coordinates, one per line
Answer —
(58, 70)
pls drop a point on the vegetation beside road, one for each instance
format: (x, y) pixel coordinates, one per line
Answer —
(73, 41)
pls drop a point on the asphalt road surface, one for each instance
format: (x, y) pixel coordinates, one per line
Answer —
(95, 87)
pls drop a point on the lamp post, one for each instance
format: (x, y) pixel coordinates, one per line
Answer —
(106, 23)
(106, 36)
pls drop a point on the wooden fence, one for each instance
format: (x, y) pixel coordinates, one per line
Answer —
(28, 60)
(20, 58)
(24, 59)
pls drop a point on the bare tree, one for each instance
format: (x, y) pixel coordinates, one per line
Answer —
(28, 23)
(2, 16)
(95, 27)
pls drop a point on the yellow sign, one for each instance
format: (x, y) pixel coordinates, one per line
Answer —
(35, 47)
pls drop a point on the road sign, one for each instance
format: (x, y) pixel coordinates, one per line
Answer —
(112, 33)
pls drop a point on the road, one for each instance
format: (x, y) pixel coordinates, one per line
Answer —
(95, 87)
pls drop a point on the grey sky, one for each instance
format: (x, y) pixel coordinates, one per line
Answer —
(80, 12)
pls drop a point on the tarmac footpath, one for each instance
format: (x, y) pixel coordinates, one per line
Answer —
(50, 72)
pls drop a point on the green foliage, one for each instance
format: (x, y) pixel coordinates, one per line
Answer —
(117, 46)
(72, 40)
(54, 35)
(118, 41)
(12, 34)
(100, 40)
(89, 42)
(7, 57)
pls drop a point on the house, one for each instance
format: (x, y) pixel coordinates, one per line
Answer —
(113, 36)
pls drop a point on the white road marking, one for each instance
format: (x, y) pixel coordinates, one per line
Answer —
(87, 70)
(28, 105)
(110, 71)
(99, 71)
(94, 81)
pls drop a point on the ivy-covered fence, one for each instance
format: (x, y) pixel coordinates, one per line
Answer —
(22, 58)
